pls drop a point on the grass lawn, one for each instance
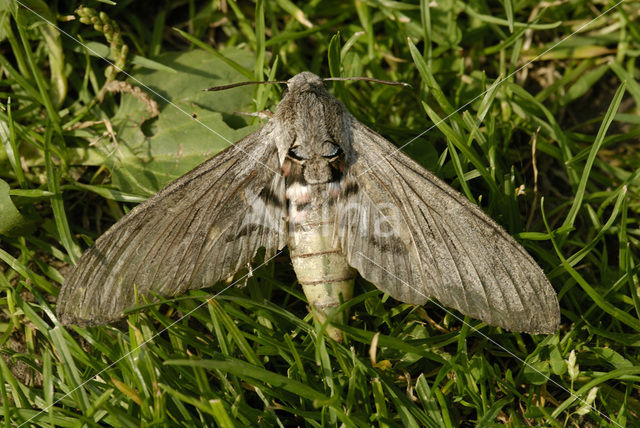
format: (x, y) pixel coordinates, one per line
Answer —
(528, 109)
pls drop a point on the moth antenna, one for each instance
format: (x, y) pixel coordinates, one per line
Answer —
(368, 79)
(235, 85)
(280, 82)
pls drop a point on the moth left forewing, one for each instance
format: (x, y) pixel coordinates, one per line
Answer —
(198, 230)
(415, 237)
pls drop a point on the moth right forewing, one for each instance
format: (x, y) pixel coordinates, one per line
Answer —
(186, 236)
(442, 246)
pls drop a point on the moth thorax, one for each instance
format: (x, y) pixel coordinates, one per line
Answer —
(318, 171)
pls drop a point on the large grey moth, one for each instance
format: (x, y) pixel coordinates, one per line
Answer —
(343, 199)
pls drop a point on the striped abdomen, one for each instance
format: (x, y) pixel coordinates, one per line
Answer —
(321, 267)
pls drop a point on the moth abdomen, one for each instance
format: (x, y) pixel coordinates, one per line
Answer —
(322, 270)
(312, 187)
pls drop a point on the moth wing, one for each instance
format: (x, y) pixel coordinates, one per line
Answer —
(415, 238)
(198, 230)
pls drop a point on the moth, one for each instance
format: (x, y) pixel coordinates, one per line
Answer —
(343, 199)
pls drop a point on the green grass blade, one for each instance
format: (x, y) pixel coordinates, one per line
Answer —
(595, 148)
(617, 313)
(57, 203)
(249, 371)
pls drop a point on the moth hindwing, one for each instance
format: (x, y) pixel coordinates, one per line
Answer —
(343, 199)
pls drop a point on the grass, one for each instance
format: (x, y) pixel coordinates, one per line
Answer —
(551, 152)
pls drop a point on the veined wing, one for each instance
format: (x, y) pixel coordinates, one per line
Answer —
(198, 230)
(415, 238)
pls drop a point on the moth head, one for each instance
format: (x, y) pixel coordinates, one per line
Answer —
(305, 81)
(313, 137)
(309, 116)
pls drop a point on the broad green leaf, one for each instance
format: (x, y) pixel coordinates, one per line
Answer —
(191, 127)
(10, 217)
(557, 363)
(537, 372)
